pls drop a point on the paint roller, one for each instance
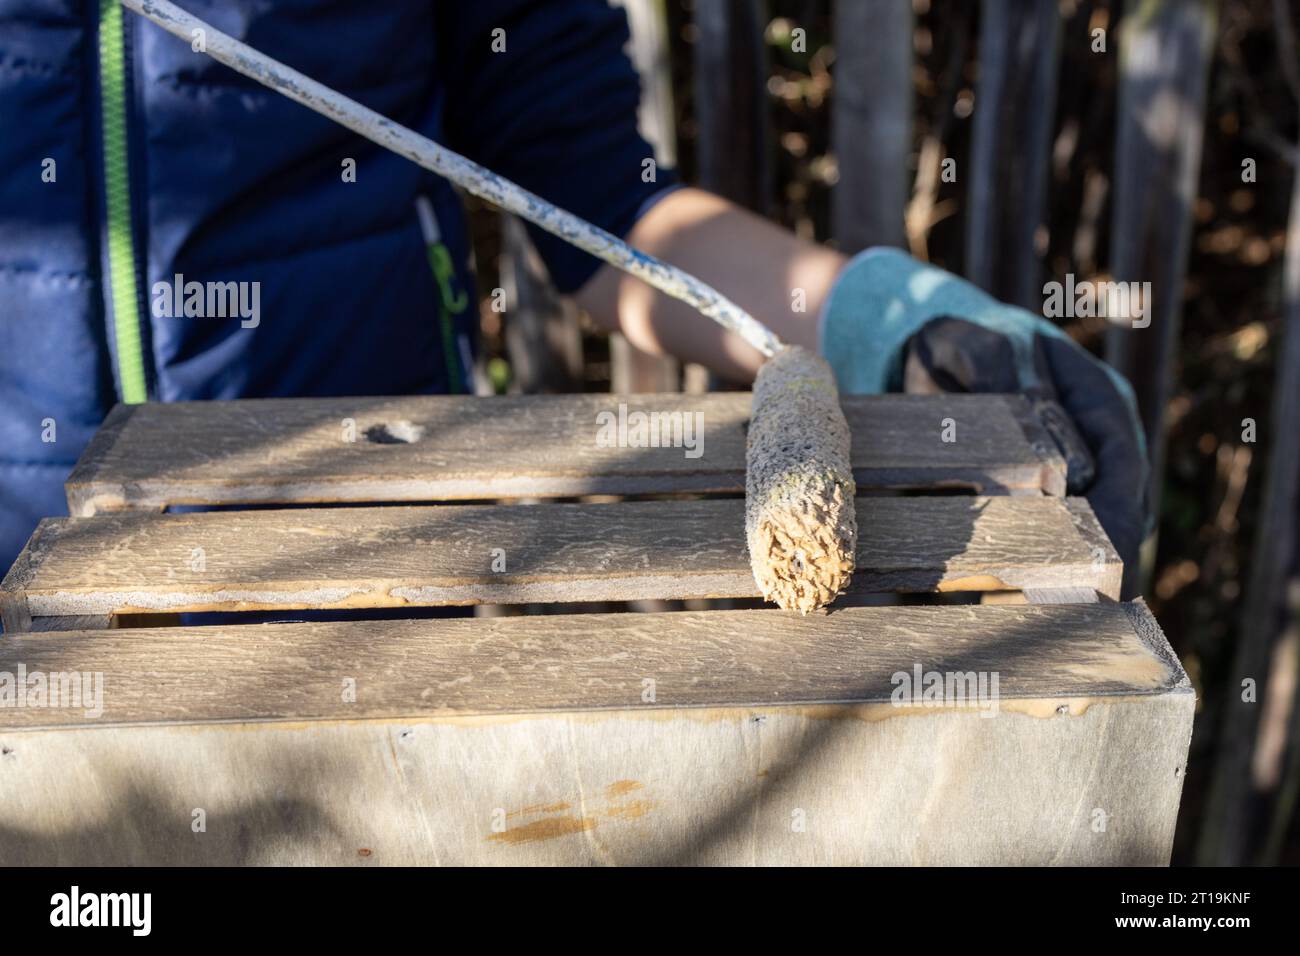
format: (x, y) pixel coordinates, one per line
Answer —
(800, 524)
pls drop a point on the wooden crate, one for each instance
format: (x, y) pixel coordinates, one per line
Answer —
(688, 736)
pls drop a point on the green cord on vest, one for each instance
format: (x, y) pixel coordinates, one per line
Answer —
(452, 303)
(117, 191)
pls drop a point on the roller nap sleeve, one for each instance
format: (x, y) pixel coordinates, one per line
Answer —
(800, 523)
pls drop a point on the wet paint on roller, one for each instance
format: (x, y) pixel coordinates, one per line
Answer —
(800, 521)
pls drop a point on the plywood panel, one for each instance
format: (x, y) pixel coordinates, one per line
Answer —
(766, 738)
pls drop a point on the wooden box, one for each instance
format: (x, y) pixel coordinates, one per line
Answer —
(1006, 710)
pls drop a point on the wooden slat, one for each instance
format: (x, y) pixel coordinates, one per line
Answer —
(635, 371)
(733, 157)
(1165, 50)
(1074, 595)
(519, 665)
(542, 337)
(871, 125)
(1010, 147)
(296, 450)
(632, 369)
(715, 738)
(1229, 828)
(132, 562)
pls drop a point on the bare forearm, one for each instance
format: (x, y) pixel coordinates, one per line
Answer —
(780, 279)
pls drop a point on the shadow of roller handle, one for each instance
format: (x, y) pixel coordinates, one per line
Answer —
(467, 174)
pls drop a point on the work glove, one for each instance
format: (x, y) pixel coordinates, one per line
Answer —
(892, 323)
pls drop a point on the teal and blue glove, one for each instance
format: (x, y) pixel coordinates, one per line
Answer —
(895, 324)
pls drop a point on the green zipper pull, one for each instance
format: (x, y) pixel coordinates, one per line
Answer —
(117, 191)
(452, 301)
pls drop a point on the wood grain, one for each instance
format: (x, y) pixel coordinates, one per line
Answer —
(729, 60)
(1011, 140)
(1164, 58)
(724, 737)
(296, 450)
(521, 665)
(133, 562)
(871, 124)
(826, 785)
(749, 737)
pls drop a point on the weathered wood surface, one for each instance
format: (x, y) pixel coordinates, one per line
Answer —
(130, 562)
(632, 369)
(635, 371)
(871, 123)
(712, 737)
(521, 665)
(298, 450)
(542, 336)
(1274, 568)
(1010, 148)
(1165, 49)
(733, 153)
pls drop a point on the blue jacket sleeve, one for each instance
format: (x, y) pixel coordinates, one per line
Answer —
(556, 111)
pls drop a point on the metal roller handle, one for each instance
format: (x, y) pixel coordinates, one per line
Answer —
(470, 176)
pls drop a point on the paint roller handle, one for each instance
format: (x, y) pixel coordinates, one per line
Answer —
(465, 173)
